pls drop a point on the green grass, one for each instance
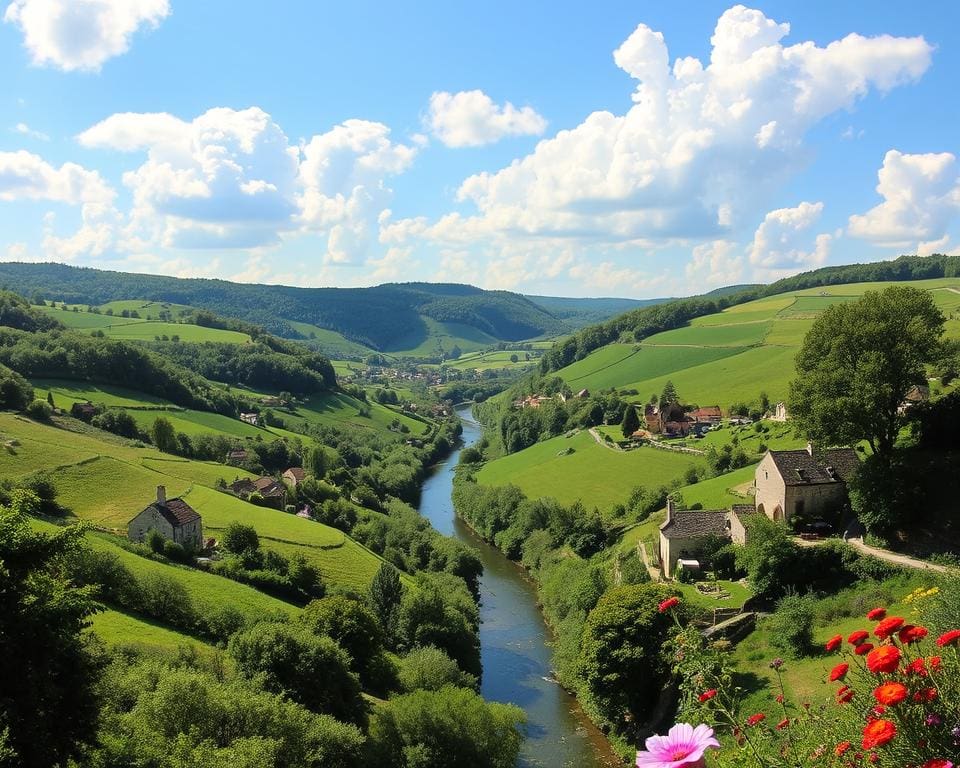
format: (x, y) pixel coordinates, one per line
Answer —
(739, 334)
(126, 629)
(148, 310)
(66, 393)
(718, 492)
(739, 594)
(593, 473)
(192, 423)
(437, 338)
(340, 410)
(85, 320)
(485, 361)
(332, 342)
(148, 330)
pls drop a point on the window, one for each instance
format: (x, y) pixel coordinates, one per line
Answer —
(798, 507)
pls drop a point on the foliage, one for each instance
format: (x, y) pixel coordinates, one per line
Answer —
(163, 435)
(857, 363)
(354, 628)
(386, 592)
(45, 666)
(791, 625)
(240, 538)
(631, 422)
(430, 669)
(16, 393)
(449, 728)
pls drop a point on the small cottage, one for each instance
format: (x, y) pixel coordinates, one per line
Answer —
(294, 476)
(84, 411)
(686, 531)
(253, 419)
(173, 519)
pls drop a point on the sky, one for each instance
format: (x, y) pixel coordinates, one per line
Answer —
(634, 149)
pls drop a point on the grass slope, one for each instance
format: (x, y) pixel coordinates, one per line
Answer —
(127, 629)
(436, 339)
(142, 329)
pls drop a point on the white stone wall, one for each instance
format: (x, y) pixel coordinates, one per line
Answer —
(148, 519)
(771, 490)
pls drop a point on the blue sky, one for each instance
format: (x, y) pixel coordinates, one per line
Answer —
(626, 149)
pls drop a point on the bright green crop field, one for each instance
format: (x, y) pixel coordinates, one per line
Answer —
(338, 410)
(127, 629)
(594, 474)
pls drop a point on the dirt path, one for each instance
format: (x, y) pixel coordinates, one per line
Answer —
(600, 441)
(898, 559)
(654, 572)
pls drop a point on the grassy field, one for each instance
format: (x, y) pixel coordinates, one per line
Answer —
(332, 342)
(141, 329)
(126, 629)
(66, 393)
(436, 339)
(340, 410)
(485, 361)
(722, 491)
(594, 474)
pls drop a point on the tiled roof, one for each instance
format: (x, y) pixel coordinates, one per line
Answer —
(691, 523)
(800, 468)
(267, 486)
(175, 511)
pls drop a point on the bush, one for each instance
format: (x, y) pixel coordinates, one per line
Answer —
(791, 626)
(40, 410)
(430, 669)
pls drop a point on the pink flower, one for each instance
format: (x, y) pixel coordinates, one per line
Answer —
(682, 747)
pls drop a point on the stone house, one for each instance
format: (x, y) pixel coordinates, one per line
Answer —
(801, 482)
(253, 419)
(84, 411)
(686, 531)
(174, 519)
(780, 412)
(294, 476)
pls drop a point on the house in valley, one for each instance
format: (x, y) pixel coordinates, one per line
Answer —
(173, 519)
(237, 456)
(918, 393)
(709, 414)
(804, 482)
(686, 532)
(273, 492)
(253, 419)
(780, 412)
(294, 476)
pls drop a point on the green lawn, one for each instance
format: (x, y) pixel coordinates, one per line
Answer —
(126, 629)
(436, 338)
(594, 474)
(718, 492)
(66, 393)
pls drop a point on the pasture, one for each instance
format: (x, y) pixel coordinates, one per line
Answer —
(117, 628)
(436, 339)
(338, 409)
(143, 328)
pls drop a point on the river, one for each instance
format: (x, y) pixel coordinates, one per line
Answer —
(514, 637)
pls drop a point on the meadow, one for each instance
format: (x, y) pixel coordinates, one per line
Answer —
(117, 628)
(331, 342)
(594, 474)
(141, 329)
(496, 360)
(435, 339)
(338, 409)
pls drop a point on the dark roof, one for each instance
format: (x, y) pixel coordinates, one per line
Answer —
(267, 486)
(744, 509)
(800, 468)
(296, 472)
(175, 511)
(691, 523)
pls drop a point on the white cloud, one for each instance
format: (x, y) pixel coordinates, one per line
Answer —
(26, 176)
(25, 130)
(472, 119)
(921, 196)
(714, 264)
(782, 245)
(81, 34)
(703, 146)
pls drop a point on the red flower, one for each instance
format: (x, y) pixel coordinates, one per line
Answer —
(935, 663)
(937, 762)
(842, 747)
(890, 693)
(839, 672)
(916, 667)
(887, 627)
(844, 695)
(876, 614)
(911, 634)
(858, 637)
(757, 718)
(948, 638)
(925, 695)
(779, 698)
(667, 604)
(878, 733)
(833, 643)
(886, 658)
(863, 649)
(783, 723)
(707, 695)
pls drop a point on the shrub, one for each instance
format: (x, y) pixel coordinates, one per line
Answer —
(791, 626)
(430, 669)
(40, 410)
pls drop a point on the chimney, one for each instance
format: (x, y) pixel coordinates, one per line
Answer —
(161, 494)
(669, 508)
(810, 447)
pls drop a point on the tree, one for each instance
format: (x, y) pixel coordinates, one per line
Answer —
(669, 396)
(353, 627)
(631, 422)
(239, 538)
(163, 434)
(44, 664)
(857, 364)
(386, 591)
(316, 461)
(50, 399)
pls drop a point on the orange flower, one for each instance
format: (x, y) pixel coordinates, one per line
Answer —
(757, 718)
(667, 604)
(886, 658)
(842, 747)
(833, 643)
(911, 634)
(863, 648)
(878, 733)
(707, 695)
(890, 693)
(839, 672)
(948, 638)
(783, 723)
(858, 637)
(876, 614)
(887, 627)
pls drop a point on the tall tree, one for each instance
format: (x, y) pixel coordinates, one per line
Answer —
(163, 434)
(669, 396)
(631, 422)
(857, 364)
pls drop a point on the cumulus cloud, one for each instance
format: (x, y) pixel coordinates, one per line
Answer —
(26, 176)
(703, 145)
(472, 119)
(81, 34)
(782, 244)
(25, 130)
(921, 196)
(715, 264)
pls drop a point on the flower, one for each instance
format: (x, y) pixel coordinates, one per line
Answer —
(887, 627)
(925, 695)
(863, 648)
(877, 733)
(757, 718)
(839, 672)
(949, 638)
(858, 637)
(876, 614)
(938, 762)
(707, 695)
(935, 663)
(932, 719)
(911, 634)
(776, 663)
(667, 604)
(682, 747)
(916, 667)
(833, 643)
(890, 693)
(886, 658)
(842, 747)
(844, 694)
(783, 723)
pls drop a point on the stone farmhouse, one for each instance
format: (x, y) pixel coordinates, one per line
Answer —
(173, 519)
(674, 421)
(294, 476)
(253, 419)
(686, 531)
(273, 493)
(803, 482)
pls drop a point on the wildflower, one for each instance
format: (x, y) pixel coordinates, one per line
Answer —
(949, 638)
(667, 604)
(783, 723)
(863, 649)
(925, 695)
(887, 627)
(833, 643)
(776, 663)
(757, 718)
(916, 667)
(878, 733)
(844, 695)
(707, 695)
(935, 663)
(886, 658)
(842, 747)
(858, 637)
(938, 762)
(876, 614)
(932, 719)
(839, 672)
(779, 698)
(890, 693)
(683, 745)
(911, 634)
